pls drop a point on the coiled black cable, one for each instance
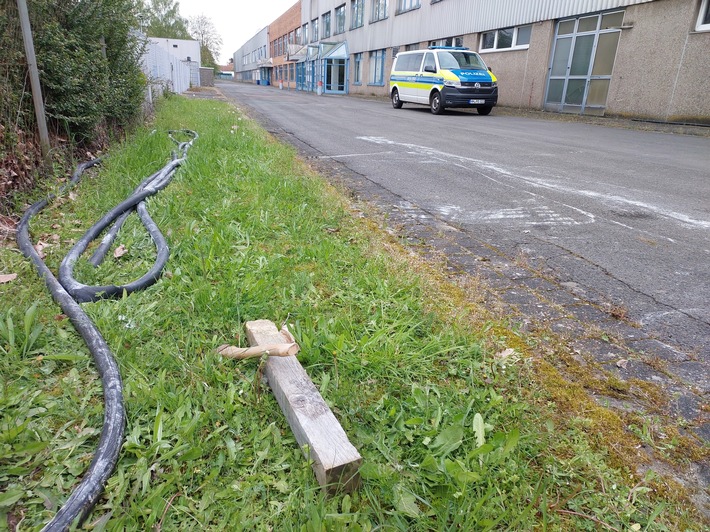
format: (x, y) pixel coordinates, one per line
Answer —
(68, 293)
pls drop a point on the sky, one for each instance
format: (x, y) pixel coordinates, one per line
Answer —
(236, 21)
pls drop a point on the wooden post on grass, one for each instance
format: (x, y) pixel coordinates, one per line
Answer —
(34, 81)
(335, 460)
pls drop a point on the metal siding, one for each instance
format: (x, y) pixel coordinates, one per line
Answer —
(259, 40)
(450, 18)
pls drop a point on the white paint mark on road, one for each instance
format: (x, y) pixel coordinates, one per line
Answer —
(345, 155)
(535, 216)
(543, 183)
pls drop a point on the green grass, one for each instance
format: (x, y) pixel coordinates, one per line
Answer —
(452, 436)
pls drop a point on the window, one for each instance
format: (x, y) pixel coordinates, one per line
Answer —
(326, 24)
(377, 67)
(379, 10)
(409, 62)
(704, 17)
(340, 19)
(357, 12)
(298, 36)
(357, 74)
(407, 5)
(429, 61)
(305, 34)
(507, 38)
(314, 30)
(451, 41)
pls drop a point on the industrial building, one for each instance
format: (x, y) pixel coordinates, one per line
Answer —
(636, 58)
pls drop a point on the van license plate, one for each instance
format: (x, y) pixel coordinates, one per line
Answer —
(474, 102)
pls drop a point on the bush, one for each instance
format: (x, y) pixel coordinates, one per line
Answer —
(89, 58)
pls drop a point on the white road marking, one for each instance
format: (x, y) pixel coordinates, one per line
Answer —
(542, 183)
(355, 155)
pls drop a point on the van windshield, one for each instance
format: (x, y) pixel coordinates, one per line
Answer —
(463, 60)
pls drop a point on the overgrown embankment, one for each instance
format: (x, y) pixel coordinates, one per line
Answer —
(88, 58)
(433, 393)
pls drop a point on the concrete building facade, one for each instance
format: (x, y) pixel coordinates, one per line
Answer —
(636, 58)
(252, 62)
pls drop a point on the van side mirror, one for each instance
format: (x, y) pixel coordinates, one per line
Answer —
(429, 68)
(490, 70)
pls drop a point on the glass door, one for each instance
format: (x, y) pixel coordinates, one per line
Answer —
(335, 72)
(582, 63)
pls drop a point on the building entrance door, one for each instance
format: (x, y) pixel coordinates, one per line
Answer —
(335, 73)
(582, 63)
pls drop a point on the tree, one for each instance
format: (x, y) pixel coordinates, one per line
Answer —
(162, 19)
(203, 30)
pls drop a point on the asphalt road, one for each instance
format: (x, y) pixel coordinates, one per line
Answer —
(618, 217)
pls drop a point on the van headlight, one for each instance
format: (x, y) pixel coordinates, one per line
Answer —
(452, 83)
(494, 84)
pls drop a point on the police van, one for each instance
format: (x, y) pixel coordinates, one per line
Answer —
(441, 77)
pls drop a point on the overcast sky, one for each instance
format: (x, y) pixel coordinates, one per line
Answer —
(236, 21)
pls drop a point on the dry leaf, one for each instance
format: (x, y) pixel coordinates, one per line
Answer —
(120, 251)
(39, 246)
(622, 363)
(7, 277)
(72, 196)
(505, 354)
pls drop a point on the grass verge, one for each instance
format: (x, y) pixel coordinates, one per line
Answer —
(452, 428)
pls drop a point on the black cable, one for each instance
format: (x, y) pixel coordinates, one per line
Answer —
(68, 293)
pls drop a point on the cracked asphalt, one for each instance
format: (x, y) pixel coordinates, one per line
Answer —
(596, 229)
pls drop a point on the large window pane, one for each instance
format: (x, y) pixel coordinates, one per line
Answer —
(566, 27)
(488, 40)
(505, 38)
(588, 24)
(598, 89)
(575, 91)
(561, 58)
(523, 35)
(606, 53)
(554, 93)
(582, 55)
(612, 20)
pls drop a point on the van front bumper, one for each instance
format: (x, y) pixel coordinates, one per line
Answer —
(469, 97)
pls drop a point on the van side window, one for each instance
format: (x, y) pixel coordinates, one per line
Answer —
(429, 61)
(409, 62)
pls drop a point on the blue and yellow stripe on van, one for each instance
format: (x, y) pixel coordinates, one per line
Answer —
(413, 81)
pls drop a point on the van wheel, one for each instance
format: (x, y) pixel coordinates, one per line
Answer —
(484, 110)
(396, 102)
(435, 103)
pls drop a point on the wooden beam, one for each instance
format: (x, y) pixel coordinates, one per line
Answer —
(336, 462)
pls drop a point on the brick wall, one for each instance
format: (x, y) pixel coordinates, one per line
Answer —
(282, 32)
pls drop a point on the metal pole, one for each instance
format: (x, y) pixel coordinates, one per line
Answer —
(34, 79)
